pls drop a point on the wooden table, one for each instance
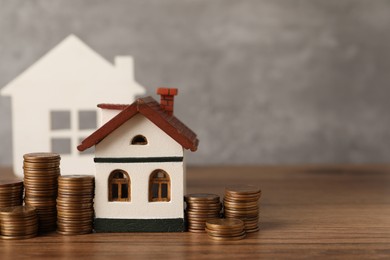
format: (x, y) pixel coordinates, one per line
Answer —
(306, 212)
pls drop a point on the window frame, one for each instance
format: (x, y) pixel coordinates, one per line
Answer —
(134, 140)
(125, 180)
(154, 179)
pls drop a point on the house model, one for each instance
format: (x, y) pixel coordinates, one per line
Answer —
(140, 166)
(54, 102)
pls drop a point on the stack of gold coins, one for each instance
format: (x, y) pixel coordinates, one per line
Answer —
(19, 222)
(41, 171)
(75, 204)
(11, 193)
(225, 229)
(241, 202)
(200, 208)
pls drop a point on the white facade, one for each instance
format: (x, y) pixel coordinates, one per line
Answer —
(67, 82)
(159, 145)
(139, 206)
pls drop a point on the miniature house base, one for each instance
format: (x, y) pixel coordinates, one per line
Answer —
(139, 225)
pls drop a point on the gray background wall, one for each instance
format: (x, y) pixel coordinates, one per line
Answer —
(261, 82)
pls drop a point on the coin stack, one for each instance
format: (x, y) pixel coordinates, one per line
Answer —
(241, 202)
(11, 193)
(200, 208)
(41, 171)
(19, 222)
(75, 204)
(225, 229)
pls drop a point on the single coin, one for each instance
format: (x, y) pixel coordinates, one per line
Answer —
(196, 230)
(252, 230)
(18, 211)
(217, 224)
(10, 183)
(227, 232)
(201, 197)
(41, 156)
(18, 237)
(72, 233)
(227, 238)
(77, 177)
(243, 189)
(240, 204)
(217, 234)
(245, 199)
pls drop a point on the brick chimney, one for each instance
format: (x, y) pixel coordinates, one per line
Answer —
(167, 96)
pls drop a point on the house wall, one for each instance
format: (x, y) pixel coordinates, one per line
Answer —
(139, 207)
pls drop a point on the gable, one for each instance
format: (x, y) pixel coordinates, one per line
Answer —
(118, 143)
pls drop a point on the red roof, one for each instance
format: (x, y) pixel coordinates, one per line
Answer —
(151, 109)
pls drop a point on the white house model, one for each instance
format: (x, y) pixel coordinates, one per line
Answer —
(140, 166)
(54, 102)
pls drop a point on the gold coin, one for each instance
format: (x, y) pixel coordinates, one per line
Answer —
(19, 226)
(42, 156)
(15, 192)
(20, 231)
(231, 234)
(202, 214)
(217, 224)
(75, 222)
(244, 199)
(226, 238)
(74, 205)
(19, 237)
(252, 230)
(243, 189)
(41, 180)
(63, 201)
(41, 165)
(75, 226)
(80, 212)
(9, 183)
(242, 211)
(40, 207)
(42, 175)
(18, 211)
(227, 230)
(201, 197)
(196, 230)
(204, 205)
(72, 233)
(75, 215)
(236, 204)
(11, 196)
(18, 218)
(77, 178)
(195, 225)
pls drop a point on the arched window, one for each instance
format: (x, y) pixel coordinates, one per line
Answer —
(159, 186)
(119, 186)
(139, 140)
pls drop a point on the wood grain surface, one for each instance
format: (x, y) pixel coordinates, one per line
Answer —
(307, 212)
